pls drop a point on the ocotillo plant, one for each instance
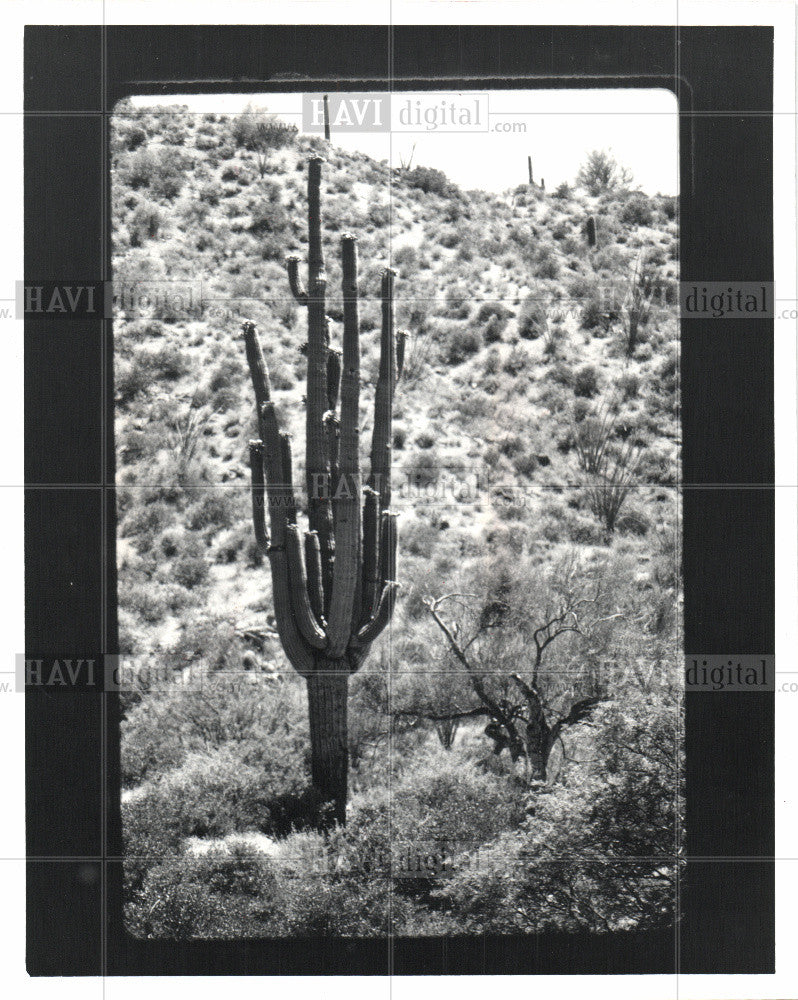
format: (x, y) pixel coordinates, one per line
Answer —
(331, 604)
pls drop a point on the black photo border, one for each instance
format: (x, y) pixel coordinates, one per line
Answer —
(723, 79)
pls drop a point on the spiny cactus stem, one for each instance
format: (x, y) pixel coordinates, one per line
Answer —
(388, 542)
(333, 378)
(309, 627)
(347, 505)
(380, 475)
(371, 551)
(257, 365)
(258, 495)
(372, 629)
(401, 344)
(286, 464)
(315, 257)
(317, 465)
(273, 462)
(313, 572)
(294, 281)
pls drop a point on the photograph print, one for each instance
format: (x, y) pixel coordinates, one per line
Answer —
(398, 513)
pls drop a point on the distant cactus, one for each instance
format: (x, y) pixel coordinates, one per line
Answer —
(331, 604)
(529, 165)
(590, 229)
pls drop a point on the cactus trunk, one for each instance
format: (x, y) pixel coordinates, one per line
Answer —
(334, 585)
(327, 713)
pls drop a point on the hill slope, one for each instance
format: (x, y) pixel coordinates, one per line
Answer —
(512, 353)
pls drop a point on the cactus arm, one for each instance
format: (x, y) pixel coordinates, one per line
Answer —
(298, 651)
(258, 495)
(382, 615)
(317, 465)
(315, 257)
(333, 378)
(313, 572)
(380, 476)
(287, 482)
(258, 371)
(294, 281)
(388, 543)
(371, 549)
(306, 621)
(296, 648)
(372, 629)
(332, 430)
(347, 504)
(401, 344)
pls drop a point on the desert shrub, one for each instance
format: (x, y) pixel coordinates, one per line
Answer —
(210, 193)
(562, 191)
(406, 258)
(592, 315)
(458, 302)
(495, 316)
(517, 361)
(586, 381)
(169, 175)
(131, 378)
(189, 570)
(669, 206)
(211, 794)
(430, 181)
(144, 521)
(637, 211)
(257, 130)
(561, 373)
(226, 373)
(629, 386)
(212, 710)
(167, 362)
(461, 345)
(132, 137)
(268, 213)
(531, 319)
(145, 223)
(492, 332)
(601, 172)
(553, 335)
(546, 263)
(492, 362)
(419, 538)
(145, 600)
(215, 509)
(139, 168)
(223, 893)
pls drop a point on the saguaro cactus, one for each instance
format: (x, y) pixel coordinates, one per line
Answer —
(590, 230)
(331, 604)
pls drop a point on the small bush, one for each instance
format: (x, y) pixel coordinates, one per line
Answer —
(190, 571)
(215, 509)
(586, 381)
(637, 211)
(517, 361)
(145, 223)
(592, 315)
(430, 181)
(462, 344)
(532, 319)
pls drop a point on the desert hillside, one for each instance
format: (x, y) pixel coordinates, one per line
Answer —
(535, 456)
(510, 348)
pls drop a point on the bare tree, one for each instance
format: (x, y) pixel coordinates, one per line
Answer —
(488, 638)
